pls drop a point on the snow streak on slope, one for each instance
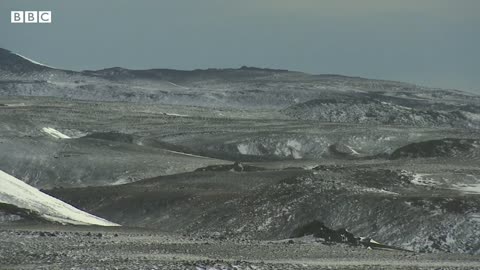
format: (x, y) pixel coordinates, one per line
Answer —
(55, 133)
(174, 84)
(15, 192)
(176, 114)
(32, 61)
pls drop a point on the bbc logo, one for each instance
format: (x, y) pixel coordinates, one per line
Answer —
(31, 17)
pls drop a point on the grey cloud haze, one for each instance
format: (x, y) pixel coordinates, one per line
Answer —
(429, 42)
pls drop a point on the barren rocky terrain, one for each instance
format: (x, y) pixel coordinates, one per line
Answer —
(53, 247)
(237, 169)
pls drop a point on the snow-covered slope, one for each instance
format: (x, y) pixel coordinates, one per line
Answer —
(32, 61)
(19, 194)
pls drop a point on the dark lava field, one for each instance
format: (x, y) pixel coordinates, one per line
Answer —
(234, 169)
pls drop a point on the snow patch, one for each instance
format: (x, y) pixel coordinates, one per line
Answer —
(243, 149)
(422, 179)
(353, 150)
(55, 133)
(475, 217)
(377, 190)
(469, 188)
(292, 148)
(186, 154)
(16, 192)
(176, 114)
(121, 181)
(14, 105)
(472, 116)
(174, 84)
(369, 240)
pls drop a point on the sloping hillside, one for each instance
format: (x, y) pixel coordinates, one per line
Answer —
(20, 198)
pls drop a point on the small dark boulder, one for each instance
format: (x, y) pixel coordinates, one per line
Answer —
(318, 230)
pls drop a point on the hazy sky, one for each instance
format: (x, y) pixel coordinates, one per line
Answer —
(429, 42)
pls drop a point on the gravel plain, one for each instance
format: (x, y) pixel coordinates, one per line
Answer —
(60, 247)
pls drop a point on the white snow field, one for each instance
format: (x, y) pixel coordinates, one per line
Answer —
(15, 192)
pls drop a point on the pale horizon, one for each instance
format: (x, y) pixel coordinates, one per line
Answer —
(430, 43)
